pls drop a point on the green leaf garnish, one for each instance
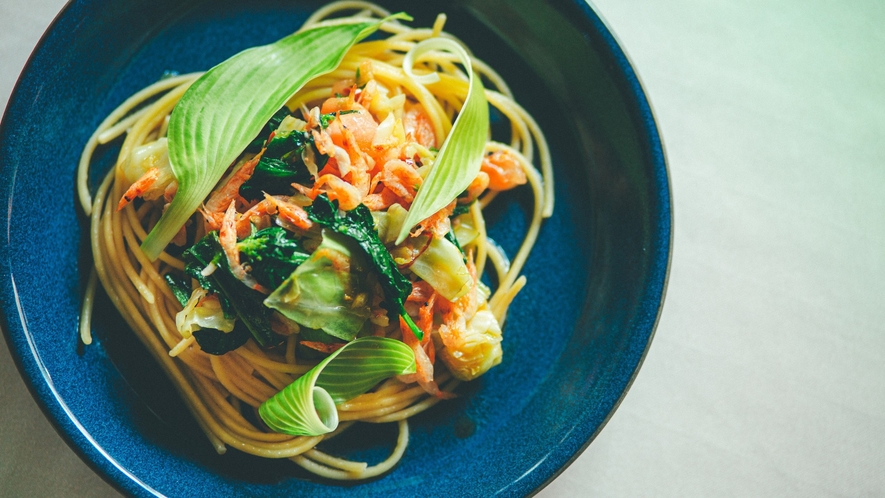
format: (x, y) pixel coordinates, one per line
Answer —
(461, 209)
(306, 407)
(359, 225)
(322, 292)
(216, 342)
(460, 156)
(224, 110)
(236, 298)
(272, 253)
(179, 287)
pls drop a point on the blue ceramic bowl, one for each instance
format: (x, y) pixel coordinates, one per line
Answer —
(575, 336)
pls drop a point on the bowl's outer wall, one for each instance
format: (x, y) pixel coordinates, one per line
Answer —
(574, 338)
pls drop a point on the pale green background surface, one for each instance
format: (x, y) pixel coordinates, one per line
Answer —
(766, 376)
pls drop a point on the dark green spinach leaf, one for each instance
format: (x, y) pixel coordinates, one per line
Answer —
(272, 124)
(281, 165)
(179, 287)
(461, 209)
(360, 226)
(216, 342)
(236, 298)
(273, 254)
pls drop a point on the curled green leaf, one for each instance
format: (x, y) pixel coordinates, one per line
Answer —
(460, 156)
(306, 407)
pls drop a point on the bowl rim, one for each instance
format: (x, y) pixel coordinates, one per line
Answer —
(652, 130)
(38, 379)
(58, 413)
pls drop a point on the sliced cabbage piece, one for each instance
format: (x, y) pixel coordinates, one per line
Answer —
(442, 266)
(202, 311)
(388, 223)
(327, 291)
(144, 158)
(471, 351)
(465, 229)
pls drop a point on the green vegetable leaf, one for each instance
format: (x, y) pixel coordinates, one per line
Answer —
(460, 156)
(360, 226)
(272, 124)
(213, 341)
(233, 295)
(442, 266)
(450, 236)
(179, 287)
(281, 165)
(322, 292)
(273, 176)
(272, 254)
(288, 142)
(224, 110)
(200, 255)
(461, 209)
(307, 406)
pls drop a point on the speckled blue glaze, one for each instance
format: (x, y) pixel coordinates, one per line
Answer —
(575, 337)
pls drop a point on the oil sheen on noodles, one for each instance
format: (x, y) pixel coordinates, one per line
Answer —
(223, 391)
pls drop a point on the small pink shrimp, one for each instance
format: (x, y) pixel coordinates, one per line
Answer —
(477, 186)
(344, 87)
(293, 213)
(257, 215)
(230, 191)
(279, 205)
(323, 142)
(227, 237)
(421, 292)
(438, 223)
(360, 124)
(425, 321)
(423, 364)
(504, 170)
(347, 195)
(212, 220)
(381, 200)
(401, 178)
(418, 126)
(140, 186)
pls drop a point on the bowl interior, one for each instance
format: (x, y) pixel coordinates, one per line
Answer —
(574, 337)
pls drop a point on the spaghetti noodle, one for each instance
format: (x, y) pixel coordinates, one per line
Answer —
(410, 120)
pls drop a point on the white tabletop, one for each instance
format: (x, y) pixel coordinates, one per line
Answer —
(766, 376)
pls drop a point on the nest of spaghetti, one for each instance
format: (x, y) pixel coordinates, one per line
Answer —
(293, 256)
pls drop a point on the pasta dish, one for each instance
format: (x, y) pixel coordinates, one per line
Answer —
(297, 235)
